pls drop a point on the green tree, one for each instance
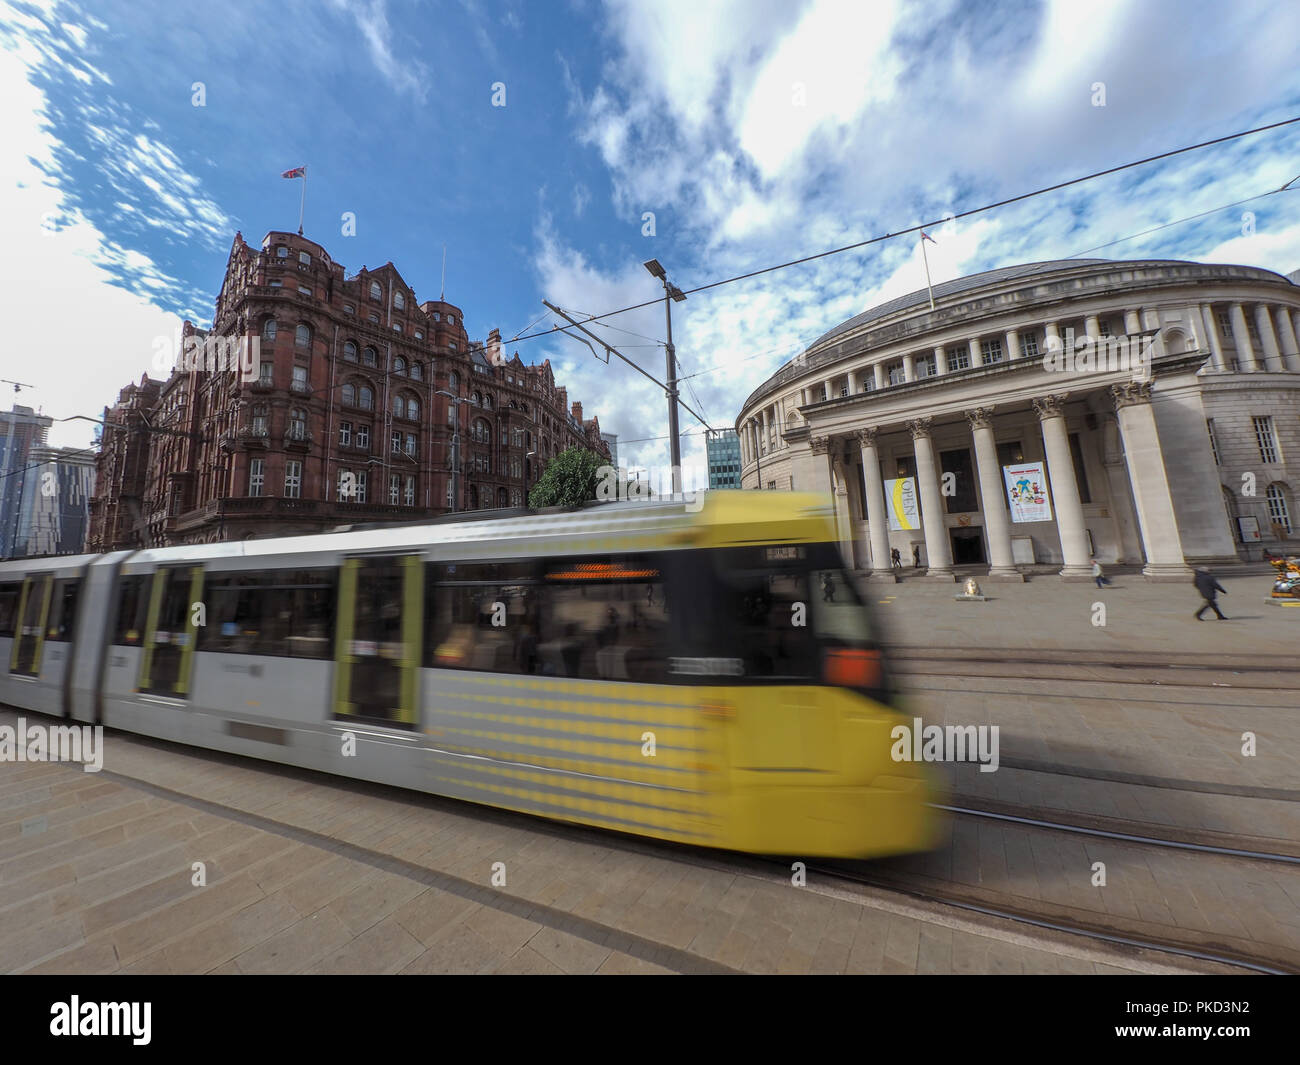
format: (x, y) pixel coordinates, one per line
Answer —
(569, 479)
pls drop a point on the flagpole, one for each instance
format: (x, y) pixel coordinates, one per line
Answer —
(302, 202)
(924, 257)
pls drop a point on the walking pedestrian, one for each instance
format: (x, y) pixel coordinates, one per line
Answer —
(1098, 575)
(1209, 588)
(895, 558)
(916, 556)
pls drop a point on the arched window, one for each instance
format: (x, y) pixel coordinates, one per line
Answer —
(437, 317)
(399, 365)
(268, 330)
(297, 424)
(302, 336)
(487, 401)
(399, 405)
(368, 357)
(399, 301)
(451, 319)
(412, 408)
(482, 432)
(350, 350)
(259, 424)
(349, 396)
(476, 399)
(453, 381)
(417, 371)
(375, 291)
(365, 398)
(1279, 510)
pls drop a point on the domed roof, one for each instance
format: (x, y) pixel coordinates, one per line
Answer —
(955, 287)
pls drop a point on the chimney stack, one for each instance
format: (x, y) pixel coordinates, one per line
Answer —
(577, 411)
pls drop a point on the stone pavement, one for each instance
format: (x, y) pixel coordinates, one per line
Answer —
(305, 873)
(1046, 612)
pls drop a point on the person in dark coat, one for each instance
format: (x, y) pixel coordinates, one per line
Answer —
(895, 558)
(1209, 588)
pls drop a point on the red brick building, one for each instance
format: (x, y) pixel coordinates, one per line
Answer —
(366, 406)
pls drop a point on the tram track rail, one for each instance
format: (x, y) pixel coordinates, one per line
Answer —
(1204, 841)
(1065, 921)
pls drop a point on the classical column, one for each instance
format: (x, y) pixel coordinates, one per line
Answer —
(843, 512)
(940, 360)
(824, 481)
(1133, 322)
(1290, 349)
(1264, 326)
(976, 356)
(1012, 341)
(938, 551)
(997, 522)
(879, 370)
(877, 514)
(852, 380)
(1051, 337)
(767, 433)
(1212, 334)
(827, 385)
(1241, 338)
(1092, 328)
(1065, 489)
(909, 368)
(1146, 471)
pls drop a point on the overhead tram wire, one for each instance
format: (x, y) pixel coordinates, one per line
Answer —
(935, 222)
(1189, 218)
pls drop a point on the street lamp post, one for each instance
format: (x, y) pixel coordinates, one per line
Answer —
(672, 294)
(528, 456)
(455, 448)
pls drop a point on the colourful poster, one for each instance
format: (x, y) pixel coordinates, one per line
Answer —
(1027, 491)
(903, 510)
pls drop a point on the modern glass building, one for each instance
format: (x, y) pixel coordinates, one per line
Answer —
(724, 457)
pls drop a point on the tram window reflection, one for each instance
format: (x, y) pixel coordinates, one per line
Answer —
(605, 619)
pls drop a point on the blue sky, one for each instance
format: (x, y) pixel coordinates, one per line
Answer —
(755, 132)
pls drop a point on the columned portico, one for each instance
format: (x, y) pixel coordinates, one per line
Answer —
(1064, 487)
(997, 524)
(877, 515)
(1146, 470)
(938, 552)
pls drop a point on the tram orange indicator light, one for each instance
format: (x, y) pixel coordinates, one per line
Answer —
(602, 571)
(849, 668)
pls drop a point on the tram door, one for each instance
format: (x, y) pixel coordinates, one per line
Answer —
(380, 623)
(170, 631)
(29, 637)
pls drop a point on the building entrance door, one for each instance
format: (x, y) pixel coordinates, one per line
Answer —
(967, 547)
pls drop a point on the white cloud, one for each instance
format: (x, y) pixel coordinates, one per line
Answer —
(912, 111)
(80, 336)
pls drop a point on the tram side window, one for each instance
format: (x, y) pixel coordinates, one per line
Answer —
(604, 619)
(63, 609)
(9, 594)
(482, 616)
(289, 613)
(766, 610)
(132, 610)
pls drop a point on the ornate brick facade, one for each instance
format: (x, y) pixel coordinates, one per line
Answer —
(349, 417)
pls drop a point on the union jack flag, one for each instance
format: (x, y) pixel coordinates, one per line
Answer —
(297, 171)
(924, 234)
